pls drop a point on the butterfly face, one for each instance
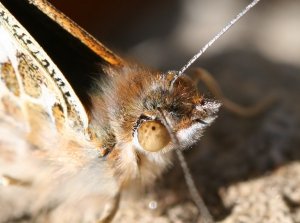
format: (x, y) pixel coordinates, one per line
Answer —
(143, 111)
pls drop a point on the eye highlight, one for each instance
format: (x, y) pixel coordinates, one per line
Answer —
(153, 136)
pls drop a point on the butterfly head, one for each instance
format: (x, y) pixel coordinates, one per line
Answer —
(145, 111)
(172, 110)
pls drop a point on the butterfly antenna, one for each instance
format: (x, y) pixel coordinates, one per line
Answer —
(210, 43)
(205, 215)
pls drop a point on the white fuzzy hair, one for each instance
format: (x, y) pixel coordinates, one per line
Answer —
(65, 180)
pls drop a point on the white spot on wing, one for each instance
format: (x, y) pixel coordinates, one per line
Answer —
(48, 99)
(7, 49)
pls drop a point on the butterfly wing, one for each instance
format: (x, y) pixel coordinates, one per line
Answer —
(48, 168)
(35, 80)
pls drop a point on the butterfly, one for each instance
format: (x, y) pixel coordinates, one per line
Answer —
(71, 143)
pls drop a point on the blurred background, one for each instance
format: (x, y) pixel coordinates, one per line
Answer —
(164, 33)
(258, 57)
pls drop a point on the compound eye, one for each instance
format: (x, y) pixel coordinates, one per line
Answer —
(153, 136)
